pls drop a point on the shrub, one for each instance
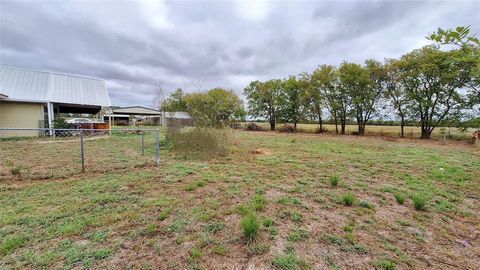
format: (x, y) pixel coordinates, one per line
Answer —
(16, 171)
(348, 198)
(253, 127)
(334, 179)
(250, 226)
(399, 197)
(286, 128)
(419, 201)
(199, 143)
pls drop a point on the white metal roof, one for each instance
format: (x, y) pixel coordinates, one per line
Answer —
(178, 115)
(136, 110)
(41, 86)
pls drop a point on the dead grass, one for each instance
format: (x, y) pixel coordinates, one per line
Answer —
(147, 218)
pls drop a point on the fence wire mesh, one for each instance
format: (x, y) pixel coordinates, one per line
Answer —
(49, 153)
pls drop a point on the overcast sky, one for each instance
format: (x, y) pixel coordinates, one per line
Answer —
(135, 46)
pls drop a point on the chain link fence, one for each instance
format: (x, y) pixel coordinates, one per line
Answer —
(52, 153)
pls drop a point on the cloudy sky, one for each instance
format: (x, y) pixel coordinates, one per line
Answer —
(136, 46)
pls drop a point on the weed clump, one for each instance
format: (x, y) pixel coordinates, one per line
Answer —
(199, 143)
(400, 198)
(250, 226)
(289, 262)
(286, 128)
(334, 179)
(348, 198)
(298, 235)
(386, 264)
(253, 127)
(419, 202)
(259, 202)
(366, 204)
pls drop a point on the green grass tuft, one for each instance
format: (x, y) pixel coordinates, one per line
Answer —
(334, 179)
(400, 198)
(366, 204)
(386, 264)
(348, 198)
(259, 202)
(298, 235)
(420, 202)
(250, 226)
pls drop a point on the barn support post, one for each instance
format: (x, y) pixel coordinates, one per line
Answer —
(157, 146)
(82, 153)
(143, 143)
(50, 118)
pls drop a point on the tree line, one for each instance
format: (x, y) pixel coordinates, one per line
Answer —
(430, 86)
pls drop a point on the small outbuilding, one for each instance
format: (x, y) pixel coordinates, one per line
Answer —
(29, 98)
(123, 115)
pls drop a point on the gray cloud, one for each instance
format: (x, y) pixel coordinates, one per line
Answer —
(135, 46)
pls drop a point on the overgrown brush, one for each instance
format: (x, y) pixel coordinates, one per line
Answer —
(286, 128)
(253, 127)
(199, 142)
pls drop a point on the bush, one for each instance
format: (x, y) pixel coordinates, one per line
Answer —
(318, 130)
(419, 201)
(253, 127)
(286, 128)
(399, 197)
(348, 198)
(199, 143)
(250, 226)
(334, 179)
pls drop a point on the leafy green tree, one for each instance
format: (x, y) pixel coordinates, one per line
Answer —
(215, 108)
(175, 102)
(291, 107)
(395, 92)
(263, 100)
(469, 52)
(355, 87)
(346, 76)
(324, 80)
(432, 82)
(312, 98)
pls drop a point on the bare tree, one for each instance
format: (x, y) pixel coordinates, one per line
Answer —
(158, 96)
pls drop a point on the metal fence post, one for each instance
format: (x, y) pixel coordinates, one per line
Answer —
(81, 151)
(143, 143)
(158, 147)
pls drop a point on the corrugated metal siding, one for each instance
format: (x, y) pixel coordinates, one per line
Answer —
(20, 115)
(21, 84)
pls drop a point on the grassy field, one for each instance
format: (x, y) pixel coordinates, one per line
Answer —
(44, 158)
(279, 201)
(392, 131)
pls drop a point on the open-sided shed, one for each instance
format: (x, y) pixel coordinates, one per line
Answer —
(29, 97)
